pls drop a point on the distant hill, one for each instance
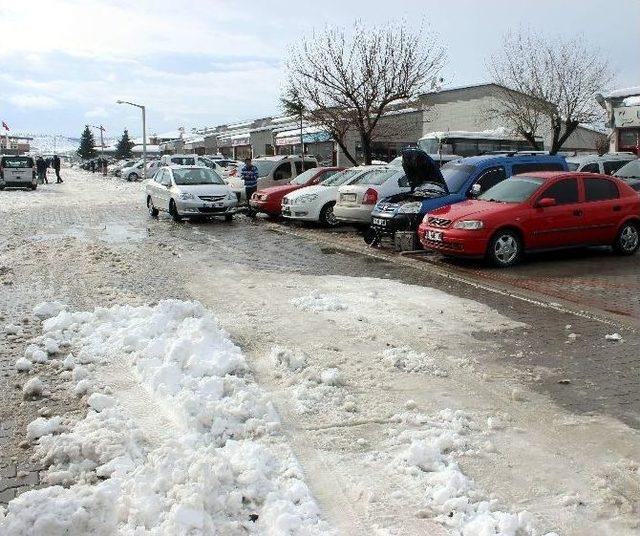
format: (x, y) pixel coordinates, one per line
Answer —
(50, 143)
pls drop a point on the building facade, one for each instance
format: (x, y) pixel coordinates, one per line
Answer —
(15, 145)
(456, 109)
(623, 114)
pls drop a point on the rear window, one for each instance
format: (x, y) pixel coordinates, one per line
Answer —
(17, 162)
(183, 161)
(528, 167)
(600, 189)
(376, 177)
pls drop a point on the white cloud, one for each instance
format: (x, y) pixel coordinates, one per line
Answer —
(97, 112)
(34, 102)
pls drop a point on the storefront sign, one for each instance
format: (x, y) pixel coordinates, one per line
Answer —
(627, 116)
(316, 137)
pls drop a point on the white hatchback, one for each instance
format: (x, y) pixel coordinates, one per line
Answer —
(355, 201)
(315, 203)
(190, 191)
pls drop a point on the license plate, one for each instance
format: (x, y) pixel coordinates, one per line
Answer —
(379, 221)
(349, 197)
(436, 236)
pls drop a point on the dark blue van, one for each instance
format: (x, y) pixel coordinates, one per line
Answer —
(464, 178)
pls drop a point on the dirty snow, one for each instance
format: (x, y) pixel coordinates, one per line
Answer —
(221, 466)
(46, 310)
(316, 301)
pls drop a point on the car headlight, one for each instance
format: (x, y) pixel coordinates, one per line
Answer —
(186, 195)
(309, 198)
(469, 225)
(411, 208)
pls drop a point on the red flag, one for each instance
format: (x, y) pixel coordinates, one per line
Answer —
(5, 126)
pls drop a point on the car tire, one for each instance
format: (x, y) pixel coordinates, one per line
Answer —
(628, 239)
(371, 237)
(228, 217)
(173, 210)
(505, 248)
(327, 217)
(133, 177)
(153, 211)
(33, 186)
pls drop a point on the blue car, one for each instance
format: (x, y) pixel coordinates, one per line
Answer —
(463, 178)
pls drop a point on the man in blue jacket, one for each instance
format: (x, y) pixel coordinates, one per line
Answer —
(249, 174)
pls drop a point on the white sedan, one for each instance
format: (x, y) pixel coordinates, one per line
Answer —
(356, 200)
(315, 203)
(190, 191)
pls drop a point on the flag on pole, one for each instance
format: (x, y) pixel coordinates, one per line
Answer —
(5, 126)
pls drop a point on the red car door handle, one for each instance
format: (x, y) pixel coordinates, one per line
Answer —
(577, 212)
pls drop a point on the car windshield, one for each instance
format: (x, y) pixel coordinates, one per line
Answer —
(630, 170)
(514, 190)
(456, 175)
(264, 166)
(183, 160)
(376, 177)
(573, 166)
(17, 162)
(340, 178)
(304, 177)
(190, 176)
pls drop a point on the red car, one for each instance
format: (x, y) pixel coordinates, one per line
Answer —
(537, 211)
(269, 200)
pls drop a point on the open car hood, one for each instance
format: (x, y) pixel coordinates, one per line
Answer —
(420, 169)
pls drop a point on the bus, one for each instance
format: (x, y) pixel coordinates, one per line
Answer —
(463, 143)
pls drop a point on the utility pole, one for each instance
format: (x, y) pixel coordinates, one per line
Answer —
(144, 134)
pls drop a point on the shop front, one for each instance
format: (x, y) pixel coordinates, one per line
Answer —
(623, 107)
(315, 143)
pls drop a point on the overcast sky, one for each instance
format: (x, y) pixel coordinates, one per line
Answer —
(198, 63)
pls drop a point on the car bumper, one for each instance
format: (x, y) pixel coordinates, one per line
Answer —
(456, 242)
(12, 183)
(190, 208)
(267, 207)
(300, 212)
(385, 223)
(355, 214)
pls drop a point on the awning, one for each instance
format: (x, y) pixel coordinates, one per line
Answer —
(309, 135)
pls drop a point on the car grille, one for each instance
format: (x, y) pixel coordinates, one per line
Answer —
(212, 198)
(438, 222)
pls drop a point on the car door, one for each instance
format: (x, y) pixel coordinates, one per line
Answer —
(282, 174)
(155, 188)
(603, 210)
(559, 225)
(164, 192)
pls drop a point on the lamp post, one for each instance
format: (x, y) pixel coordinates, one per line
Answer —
(144, 135)
(101, 129)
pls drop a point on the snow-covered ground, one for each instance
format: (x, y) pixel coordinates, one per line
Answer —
(189, 445)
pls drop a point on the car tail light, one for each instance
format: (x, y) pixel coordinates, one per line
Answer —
(232, 172)
(370, 197)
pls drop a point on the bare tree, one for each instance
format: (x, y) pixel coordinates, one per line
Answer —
(345, 79)
(548, 82)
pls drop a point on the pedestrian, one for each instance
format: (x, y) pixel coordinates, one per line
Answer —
(92, 166)
(41, 170)
(56, 166)
(249, 174)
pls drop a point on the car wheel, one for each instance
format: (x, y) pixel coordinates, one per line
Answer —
(505, 249)
(371, 237)
(628, 240)
(153, 211)
(132, 177)
(327, 217)
(173, 210)
(33, 186)
(228, 217)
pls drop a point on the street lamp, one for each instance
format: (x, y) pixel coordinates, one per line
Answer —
(144, 135)
(101, 129)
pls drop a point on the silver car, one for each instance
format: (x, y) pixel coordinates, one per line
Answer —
(190, 191)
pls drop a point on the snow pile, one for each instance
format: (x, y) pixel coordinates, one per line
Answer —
(409, 360)
(46, 310)
(316, 301)
(616, 337)
(33, 388)
(331, 376)
(220, 464)
(287, 358)
(41, 427)
(429, 455)
(12, 329)
(23, 364)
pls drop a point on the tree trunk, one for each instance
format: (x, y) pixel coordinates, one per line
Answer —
(569, 128)
(366, 148)
(345, 151)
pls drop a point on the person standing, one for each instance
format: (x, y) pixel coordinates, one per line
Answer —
(41, 170)
(56, 166)
(249, 174)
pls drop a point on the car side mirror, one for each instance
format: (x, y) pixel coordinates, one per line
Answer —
(546, 202)
(475, 190)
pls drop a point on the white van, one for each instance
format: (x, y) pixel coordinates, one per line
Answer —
(273, 171)
(17, 172)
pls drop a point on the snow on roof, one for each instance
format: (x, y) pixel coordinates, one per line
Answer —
(631, 101)
(296, 131)
(171, 135)
(625, 92)
(150, 148)
(500, 133)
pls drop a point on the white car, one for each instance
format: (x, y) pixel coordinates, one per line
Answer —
(180, 160)
(132, 173)
(273, 171)
(355, 201)
(222, 166)
(17, 172)
(315, 203)
(190, 191)
(606, 164)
